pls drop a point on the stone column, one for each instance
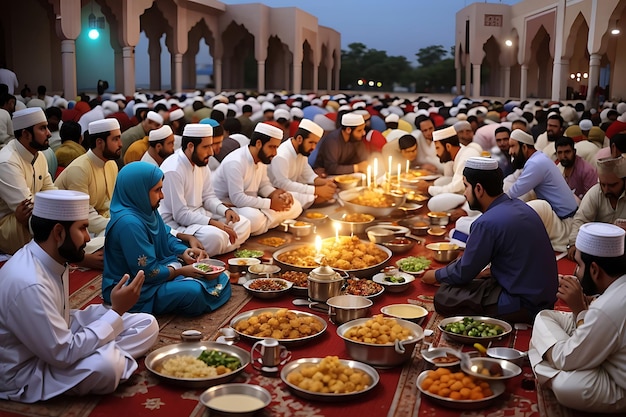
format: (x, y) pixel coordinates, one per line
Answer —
(594, 79)
(178, 72)
(260, 68)
(476, 81)
(128, 59)
(297, 77)
(217, 74)
(68, 62)
(507, 82)
(468, 76)
(557, 70)
(458, 80)
(523, 83)
(329, 78)
(315, 77)
(154, 53)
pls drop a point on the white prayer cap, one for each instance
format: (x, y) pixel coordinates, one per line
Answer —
(61, 103)
(269, 130)
(481, 163)
(282, 114)
(28, 117)
(312, 127)
(221, 107)
(585, 124)
(109, 107)
(462, 125)
(115, 97)
(155, 117)
(267, 105)
(103, 125)
(621, 108)
(345, 107)
(615, 165)
(352, 120)
(198, 130)
(159, 134)
(296, 112)
(61, 205)
(176, 114)
(36, 102)
(445, 133)
(359, 105)
(138, 106)
(522, 137)
(392, 118)
(604, 240)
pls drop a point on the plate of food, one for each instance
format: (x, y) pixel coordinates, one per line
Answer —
(197, 364)
(474, 329)
(490, 368)
(363, 287)
(414, 265)
(289, 327)
(442, 356)
(267, 287)
(248, 253)
(394, 281)
(342, 379)
(272, 241)
(299, 279)
(210, 267)
(458, 395)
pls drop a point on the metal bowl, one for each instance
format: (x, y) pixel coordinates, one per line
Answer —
(343, 308)
(330, 397)
(497, 387)
(346, 196)
(382, 233)
(346, 227)
(431, 356)
(512, 355)
(391, 286)
(388, 355)
(418, 225)
(298, 228)
(399, 244)
(410, 312)
(439, 218)
(233, 406)
(444, 252)
(472, 366)
(286, 342)
(361, 273)
(241, 264)
(263, 270)
(155, 359)
(348, 181)
(315, 217)
(471, 339)
(286, 286)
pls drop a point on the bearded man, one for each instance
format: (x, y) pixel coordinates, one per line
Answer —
(578, 173)
(521, 278)
(241, 180)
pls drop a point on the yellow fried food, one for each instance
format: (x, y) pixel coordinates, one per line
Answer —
(283, 324)
(378, 330)
(329, 376)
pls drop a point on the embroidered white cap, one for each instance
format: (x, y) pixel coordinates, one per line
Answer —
(312, 127)
(155, 117)
(198, 130)
(159, 134)
(352, 120)
(61, 205)
(269, 130)
(601, 239)
(103, 125)
(522, 137)
(585, 124)
(481, 163)
(176, 114)
(282, 114)
(445, 133)
(392, 118)
(28, 117)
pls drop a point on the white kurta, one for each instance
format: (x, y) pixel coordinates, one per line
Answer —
(190, 202)
(589, 369)
(245, 184)
(149, 159)
(456, 184)
(292, 172)
(426, 152)
(42, 356)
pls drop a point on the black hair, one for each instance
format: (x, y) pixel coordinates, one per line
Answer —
(43, 227)
(563, 141)
(232, 125)
(246, 108)
(421, 118)
(53, 111)
(70, 130)
(218, 116)
(5, 98)
(186, 140)
(159, 107)
(218, 130)
(557, 117)
(407, 141)
(619, 140)
(502, 129)
(614, 266)
(302, 132)
(18, 132)
(91, 139)
(259, 136)
(490, 180)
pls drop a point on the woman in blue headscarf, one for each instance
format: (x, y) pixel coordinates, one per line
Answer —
(137, 238)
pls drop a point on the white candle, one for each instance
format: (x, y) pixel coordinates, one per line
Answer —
(399, 169)
(369, 177)
(318, 244)
(390, 166)
(407, 166)
(337, 227)
(375, 170)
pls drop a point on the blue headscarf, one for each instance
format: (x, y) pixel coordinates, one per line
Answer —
(130, 196)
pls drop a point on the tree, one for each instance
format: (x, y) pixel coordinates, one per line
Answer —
(430, 55)
(361, 63)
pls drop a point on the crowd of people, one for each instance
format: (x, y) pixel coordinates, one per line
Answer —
(143, 186)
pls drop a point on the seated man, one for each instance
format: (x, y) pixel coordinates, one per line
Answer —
(290, 169)
(48, 349)
(139, 240)
(342, 151)
(190, 204)
(161, 145)
(508, 236)
(581, 355)
(578, 173)
(403, 149)
(241, 181)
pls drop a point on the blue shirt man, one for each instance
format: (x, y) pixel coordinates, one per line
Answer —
(509, 235)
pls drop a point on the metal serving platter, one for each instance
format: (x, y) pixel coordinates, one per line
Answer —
(471, 339)
(497, 387)
(328, 397)
(155, 359)
(286, 342)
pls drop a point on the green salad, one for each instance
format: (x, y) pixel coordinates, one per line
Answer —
(413, 264)
(248, 253)
(215, 358)
(470, 327)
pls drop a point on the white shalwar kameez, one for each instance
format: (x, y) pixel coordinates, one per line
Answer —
(48, 350)
(291, 171)
(190, 202)
(589, 369)
(245, 184)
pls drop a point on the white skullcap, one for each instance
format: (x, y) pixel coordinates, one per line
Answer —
(604, 115)
(115, 97)
(615, 165)
(269, 130)
(621, 108)
(36, 102)
(61, 103)
(296, 112)
(221, 107)
(352, 120)
(138, 106)
(176, 114)
(462, 125)
(61, 205)
(392, 118)
(522, 137)
(585, 124)
(359, 105)
(601, 239)
(481, 163)
(312, 127)
(446, 133)
(103, 125)
(198, 130)
(155, 117)
(159, 134)
(28, 117)
(345, 107)
(109, 107)
(461, 116)
(267, 105)
(282, 114)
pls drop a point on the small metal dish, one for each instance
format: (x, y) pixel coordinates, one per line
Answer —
(471, 339)
(476, 367)
(410, 312)
(399, 244)
(497, 387)
(432, 356)
(437, 231)
(348, 181)
(444, 252)
(263, 270)
(512, 355)
(226, 400)
(439, 218)
(284, 284)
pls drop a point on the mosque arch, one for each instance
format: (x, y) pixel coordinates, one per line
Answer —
(200, 31)
(279, 64)
(324, 67)
(154, 25)
(308, 63)
(239, 63)
(490, 68)
(540, 65)
(576, 59)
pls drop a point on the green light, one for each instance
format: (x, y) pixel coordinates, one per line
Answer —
(94, 34)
